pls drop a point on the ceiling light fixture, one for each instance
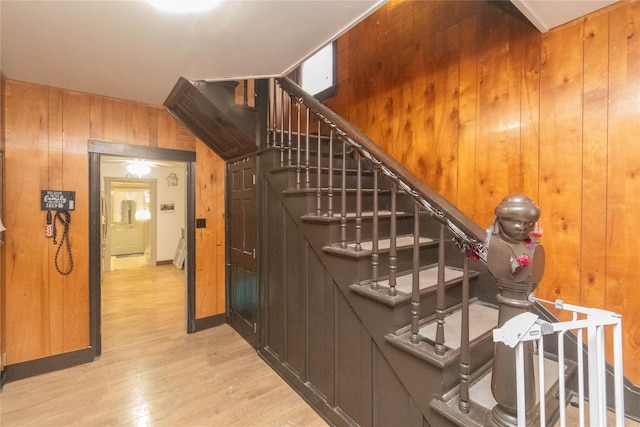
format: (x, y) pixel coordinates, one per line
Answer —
(139, 168)
(183, 6)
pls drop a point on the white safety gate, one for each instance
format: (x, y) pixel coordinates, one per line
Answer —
(528, 327)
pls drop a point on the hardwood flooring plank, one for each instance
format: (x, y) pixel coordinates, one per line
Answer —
(152, 372)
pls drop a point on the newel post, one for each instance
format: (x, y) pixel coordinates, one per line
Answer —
(515, 258)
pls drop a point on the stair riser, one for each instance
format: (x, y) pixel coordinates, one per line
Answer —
(404, 225)
(404, 262)
(384, 202)
(399, 315)
(351, 180)
(481, 353)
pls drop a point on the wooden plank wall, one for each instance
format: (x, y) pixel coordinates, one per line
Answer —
(46, 135)
(479, 104)
(2, 245)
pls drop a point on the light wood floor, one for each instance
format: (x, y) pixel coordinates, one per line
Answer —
(151, 373)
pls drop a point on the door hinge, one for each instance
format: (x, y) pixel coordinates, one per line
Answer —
(254, 179)
(255, 328)
(254, 253)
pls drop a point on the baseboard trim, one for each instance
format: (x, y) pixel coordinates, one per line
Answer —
(210, 322)
(45, 365)
(165, 262)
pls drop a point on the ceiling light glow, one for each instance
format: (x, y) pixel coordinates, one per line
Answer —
(183, 6)
(139, 167)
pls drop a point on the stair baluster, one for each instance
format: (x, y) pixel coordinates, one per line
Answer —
(274, 111)
(318, 177)
(330, 183)
(299, 152)
(306, 152)
(343, 198)
(375, 257)
(281, 127)
(358, 247)
(415, 285)
(440, 297)
(290, 144)
(464, 404)
(393, 253)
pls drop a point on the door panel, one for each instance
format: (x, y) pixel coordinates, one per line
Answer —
(243, 285)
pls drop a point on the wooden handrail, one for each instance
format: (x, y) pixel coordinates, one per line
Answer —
(469, 232)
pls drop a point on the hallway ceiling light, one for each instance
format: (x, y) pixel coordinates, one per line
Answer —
(183, 6)
(138, 168)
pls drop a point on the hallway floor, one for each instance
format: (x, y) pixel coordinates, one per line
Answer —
(152, 373)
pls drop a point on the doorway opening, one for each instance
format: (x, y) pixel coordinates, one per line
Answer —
(130, 216)
(139, 219)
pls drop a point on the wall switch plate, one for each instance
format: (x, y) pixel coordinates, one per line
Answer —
(201, 223)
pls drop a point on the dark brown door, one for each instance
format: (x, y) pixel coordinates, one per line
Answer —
(243, 285)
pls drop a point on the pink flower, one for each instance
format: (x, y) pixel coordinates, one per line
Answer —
(523, 259)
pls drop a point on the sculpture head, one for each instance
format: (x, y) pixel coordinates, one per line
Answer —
(516, 216)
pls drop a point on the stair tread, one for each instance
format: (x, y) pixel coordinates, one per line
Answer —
(336, 217)
(428, 278)
(428, 281)
(480, 391)
(482, 400)
(482, 319)
(402, 242)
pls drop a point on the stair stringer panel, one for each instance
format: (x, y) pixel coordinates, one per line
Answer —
(421, 380)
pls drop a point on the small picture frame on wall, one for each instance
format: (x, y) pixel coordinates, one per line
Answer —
(172, 180)
(167, 207)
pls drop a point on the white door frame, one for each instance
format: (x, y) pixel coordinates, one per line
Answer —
(153, 204)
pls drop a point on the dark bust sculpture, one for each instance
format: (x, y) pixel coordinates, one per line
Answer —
(516, 260)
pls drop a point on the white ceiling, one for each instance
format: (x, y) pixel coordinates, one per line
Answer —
(548, 14)
(128, 49)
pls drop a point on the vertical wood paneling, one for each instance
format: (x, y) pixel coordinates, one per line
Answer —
(353, 364)
(75, 287)
(530, 112)
(96, 117)
(114, 120)
(3, 344)
(555, 116)
(424, 88)
(295, 302)
(623, 178)
(594, 161)
(137, 123)
(468, 104)
(210, 294)
(55, 150)
(497, 151)
(274, 286)
(441, 165)
(46, 131)
(561, 168)
(167, 130)
(320, 331)
(26, 290)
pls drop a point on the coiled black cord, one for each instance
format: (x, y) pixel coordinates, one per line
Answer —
(65, 218)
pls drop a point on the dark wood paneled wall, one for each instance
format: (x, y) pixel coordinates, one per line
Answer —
(46, 132)
(313, 337)
(479, 104)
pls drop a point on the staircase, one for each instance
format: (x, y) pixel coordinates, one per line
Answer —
(400, 263)
(375, 302)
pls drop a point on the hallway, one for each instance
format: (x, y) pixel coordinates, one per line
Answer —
(152, 373)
